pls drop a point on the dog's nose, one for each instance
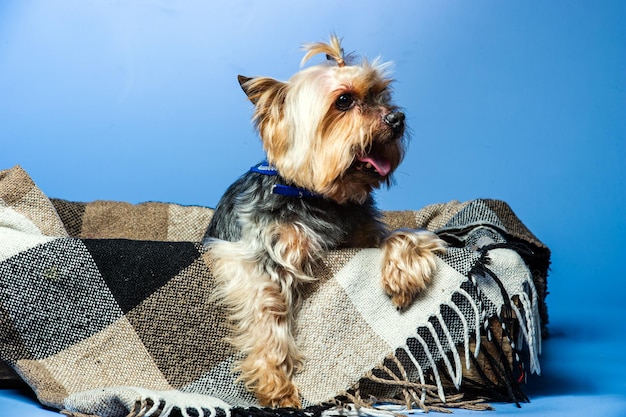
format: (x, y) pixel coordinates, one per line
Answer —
(395, 119)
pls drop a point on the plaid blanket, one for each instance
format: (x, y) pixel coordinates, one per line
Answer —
(106, 310)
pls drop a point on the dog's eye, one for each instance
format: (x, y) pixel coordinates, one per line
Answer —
(384, 97)
(344, 102)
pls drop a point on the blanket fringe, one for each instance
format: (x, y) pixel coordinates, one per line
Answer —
(495, 361)
(410, 395)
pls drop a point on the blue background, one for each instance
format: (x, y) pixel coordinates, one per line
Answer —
(523, 101)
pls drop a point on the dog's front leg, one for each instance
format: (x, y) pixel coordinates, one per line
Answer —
(258, 282)
(409, 263)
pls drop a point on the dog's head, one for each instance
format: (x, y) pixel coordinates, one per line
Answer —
(332, 128)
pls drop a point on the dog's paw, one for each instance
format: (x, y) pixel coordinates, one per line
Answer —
(283, 393)
(409, 263)
(268, 380)
(290, 401)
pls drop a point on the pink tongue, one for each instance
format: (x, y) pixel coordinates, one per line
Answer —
(382, 166)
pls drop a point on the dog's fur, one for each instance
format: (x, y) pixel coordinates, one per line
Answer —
(331, 129)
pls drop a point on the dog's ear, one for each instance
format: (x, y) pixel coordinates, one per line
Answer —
(257, 87)
(243, 80)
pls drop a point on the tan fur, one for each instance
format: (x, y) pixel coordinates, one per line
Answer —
(312, 143)
(316, 145)
(261, 312)
(333, 49)
(409, 263)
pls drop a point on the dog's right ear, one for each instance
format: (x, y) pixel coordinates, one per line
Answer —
(255, 88)
(243, 80)
(245, 86)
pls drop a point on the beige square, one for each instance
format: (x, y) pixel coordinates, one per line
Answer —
(48, 390)
(336, 351)
(112, 357)
(14, 184)
(188, 223)
(36, 206)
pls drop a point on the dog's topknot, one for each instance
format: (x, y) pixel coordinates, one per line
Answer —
(333, 50)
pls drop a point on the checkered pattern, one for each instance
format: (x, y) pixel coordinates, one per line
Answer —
(106, 308)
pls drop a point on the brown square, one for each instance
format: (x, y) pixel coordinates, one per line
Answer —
(107, 219)
(182, 328)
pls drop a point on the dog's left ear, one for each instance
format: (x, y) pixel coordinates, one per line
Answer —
(257, 87)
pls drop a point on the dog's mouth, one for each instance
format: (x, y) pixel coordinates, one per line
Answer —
(377, 161)
(373, 163)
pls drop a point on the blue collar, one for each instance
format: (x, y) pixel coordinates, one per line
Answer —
(281, 189)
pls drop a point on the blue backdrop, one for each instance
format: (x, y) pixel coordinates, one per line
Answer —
(519, 101)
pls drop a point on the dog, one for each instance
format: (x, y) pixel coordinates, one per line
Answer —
(331, 136)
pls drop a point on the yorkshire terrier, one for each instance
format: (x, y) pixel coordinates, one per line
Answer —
(331, 135)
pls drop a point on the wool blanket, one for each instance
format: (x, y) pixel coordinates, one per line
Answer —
(107, 310)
